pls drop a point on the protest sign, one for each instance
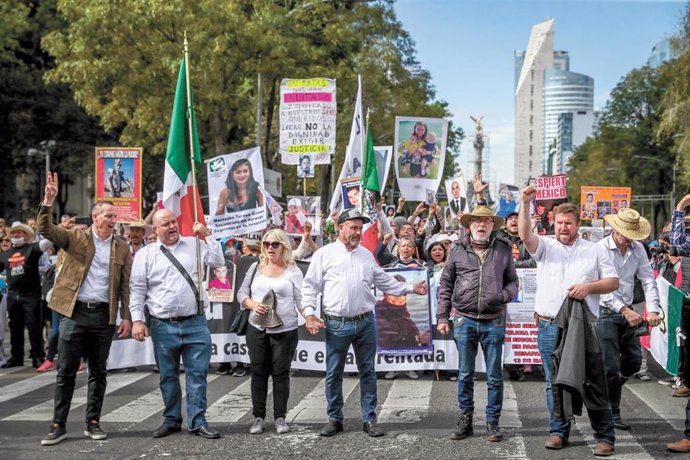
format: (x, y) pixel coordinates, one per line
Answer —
(351, 190)
(384, 155)
(551, 191)
(118, 179)
(303, 209)
(307, 120)
(236, 198)
(419, 155)
(508, 200)
(305, 168)
(220, 282)
(457, 195)
(274, 208)
(596, 202)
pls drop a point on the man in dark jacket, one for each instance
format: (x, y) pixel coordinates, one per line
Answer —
(478, 280)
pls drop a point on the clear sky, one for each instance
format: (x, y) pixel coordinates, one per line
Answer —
(468, 46)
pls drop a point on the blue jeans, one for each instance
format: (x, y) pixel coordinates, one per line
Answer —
(362, 336)
(620, 348)
(191, 340)
(600, 420)
(469, 333)
(687, 420)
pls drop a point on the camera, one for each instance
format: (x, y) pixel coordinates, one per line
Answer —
(663, 248)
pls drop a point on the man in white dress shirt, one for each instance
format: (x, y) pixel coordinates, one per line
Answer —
(567, 266)
(617, 323)
(177, 326)
(344, 273)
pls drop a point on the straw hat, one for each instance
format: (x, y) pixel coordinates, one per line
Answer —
(22, 228)
(140, 224)
(480, 211)
(630, 224)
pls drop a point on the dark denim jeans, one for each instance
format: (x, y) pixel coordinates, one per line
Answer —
(270, 355)
(620, 348)
(600, 421)
(25, 311)
(362, 336)
(191, 340)
(87, 333)
(468, 334)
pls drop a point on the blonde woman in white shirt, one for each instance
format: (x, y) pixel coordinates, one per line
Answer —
(271, 349)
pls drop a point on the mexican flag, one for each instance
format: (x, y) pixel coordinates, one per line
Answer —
(371, 190)
(664, 340)
(178, 189)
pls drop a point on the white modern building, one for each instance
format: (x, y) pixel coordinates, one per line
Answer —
(571, 93)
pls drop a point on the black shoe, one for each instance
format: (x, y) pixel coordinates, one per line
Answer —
(13, 363)
(56, 434)
(165, 430)
(620, 425)
(207, 432)
(372, 429)
(464, 428)
(494, 432)
(516, 376)
(331, 428)
(93, 430)
(224, 369)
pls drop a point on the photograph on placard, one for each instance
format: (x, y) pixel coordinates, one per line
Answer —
(305, 168)
(351, 191)
(457, 194)
(221, 282)
(508, 200)
(300, 210)
(551, 191)
(450, 219)
(118, 179)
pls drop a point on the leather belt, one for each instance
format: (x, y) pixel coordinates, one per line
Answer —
(91, 305)
(348, 319)
(538, 317)
(175, 319)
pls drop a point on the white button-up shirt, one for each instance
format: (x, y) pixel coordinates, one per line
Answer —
(158, 285)
(560, 266)
(634, 262)
(95, 285)
(345, 279)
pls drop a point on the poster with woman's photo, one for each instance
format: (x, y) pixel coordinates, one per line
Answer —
(221, 282)
(351, 188)
(403, 323)
(420, 150)
(300, 211)
(235, 191)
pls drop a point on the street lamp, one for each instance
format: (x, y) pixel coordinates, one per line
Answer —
(45, 148)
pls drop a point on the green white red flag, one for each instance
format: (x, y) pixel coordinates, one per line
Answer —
(178, 187)
(664, 340)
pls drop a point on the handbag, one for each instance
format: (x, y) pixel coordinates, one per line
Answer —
(241, 320)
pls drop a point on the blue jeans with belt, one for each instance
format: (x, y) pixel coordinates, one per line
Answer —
(361, 335)
(620, 348)
(468, 334)
(191, 340)
(601, 421)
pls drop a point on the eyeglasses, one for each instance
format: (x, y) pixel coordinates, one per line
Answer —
(271, 244)
(5, 240)
(482, 220)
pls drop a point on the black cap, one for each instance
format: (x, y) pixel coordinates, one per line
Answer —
(352, 214)
(514, 213)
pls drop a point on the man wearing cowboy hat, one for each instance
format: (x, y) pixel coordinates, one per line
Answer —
(617, 321)
(20, 264)
(567, 266)
(478, 280)
(137, 233)
(344, 273)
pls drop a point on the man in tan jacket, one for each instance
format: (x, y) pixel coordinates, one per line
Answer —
(92, 282)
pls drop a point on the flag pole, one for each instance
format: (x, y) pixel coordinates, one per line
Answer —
(192, 164)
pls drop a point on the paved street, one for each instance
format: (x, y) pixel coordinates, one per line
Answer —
(417, 416)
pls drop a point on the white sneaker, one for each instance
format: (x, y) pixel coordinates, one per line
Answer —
(258, 426)
(282, 426)
(412, 374)
(390, 375)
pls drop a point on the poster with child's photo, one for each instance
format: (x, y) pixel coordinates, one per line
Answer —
(221, 281)
(420, 149)
(351, 188)
(300, 210)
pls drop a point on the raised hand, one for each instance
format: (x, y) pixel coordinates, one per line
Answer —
(529, 193)
(479, 185)
(51, 189)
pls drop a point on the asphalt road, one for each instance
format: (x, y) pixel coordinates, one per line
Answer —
(416, 415)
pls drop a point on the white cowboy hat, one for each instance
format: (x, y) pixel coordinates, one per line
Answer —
(630, 224)
(22, 228)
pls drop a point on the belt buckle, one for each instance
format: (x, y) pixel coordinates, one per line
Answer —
(175, 319)
(88, 305)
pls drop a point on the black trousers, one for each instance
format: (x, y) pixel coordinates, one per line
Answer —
(87, 333)
(270, 355)
(25, 311)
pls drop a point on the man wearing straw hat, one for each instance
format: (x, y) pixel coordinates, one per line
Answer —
(617, 323)
(478, 280)
(137, 233)
(567, 266)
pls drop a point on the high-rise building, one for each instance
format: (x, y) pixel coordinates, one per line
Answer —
(528, 99)
(662, 52)
(565, 92)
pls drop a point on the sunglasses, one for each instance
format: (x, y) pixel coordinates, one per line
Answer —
(271, 244)
(5, 240)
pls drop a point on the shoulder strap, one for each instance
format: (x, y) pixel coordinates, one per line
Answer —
(251, 280)
(186, 276)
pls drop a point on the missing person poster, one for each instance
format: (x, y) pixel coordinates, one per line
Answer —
(307, 120)
(235, 193)
(351, 190)
(419, 155)
(303, 209)
(220, 284)
(118, 179)
(551, 191)
(596, 202)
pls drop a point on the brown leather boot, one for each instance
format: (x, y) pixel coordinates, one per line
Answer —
(679, 446)
(555, 442)
(603, 449)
